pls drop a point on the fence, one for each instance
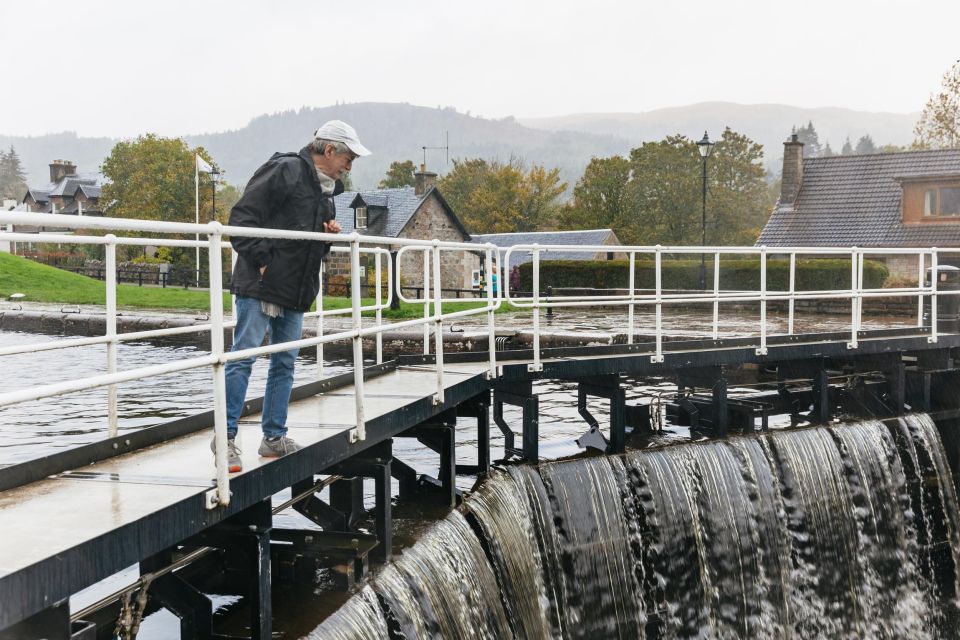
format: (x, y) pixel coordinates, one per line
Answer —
(430, 295)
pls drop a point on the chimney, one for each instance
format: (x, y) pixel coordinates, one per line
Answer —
(423, 180)
(792, 176)
(61, 168)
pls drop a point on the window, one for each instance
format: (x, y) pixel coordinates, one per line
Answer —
(950, 201)
(360, 219)
(929, 202)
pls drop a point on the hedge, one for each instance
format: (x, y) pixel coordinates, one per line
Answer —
(740, 274)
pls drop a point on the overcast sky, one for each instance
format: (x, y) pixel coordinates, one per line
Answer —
(121, 68)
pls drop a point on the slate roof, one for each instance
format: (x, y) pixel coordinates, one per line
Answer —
(389, 210)
(584, 237)
(855, 201)
(401, 204)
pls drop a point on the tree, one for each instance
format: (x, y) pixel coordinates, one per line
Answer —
(939, 124)
(600, 197)
(496, 197)
(828, 151)
(811, 141)
(738, 199)
(847, 149)
(399, 174)
(654, 197)
(13, 180)
(152, 178)
(865, 145)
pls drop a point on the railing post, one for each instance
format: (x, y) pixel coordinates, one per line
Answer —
(658, 296)
(793, 289)
(633, 291)
(438, 321)
(426, 302)
(110, 263)
(491, 328)
(716, 295)
(854, 297)
(762, 351)
(537, 365)
(920, 285)
(360, 433)
(378, 298)
(220, 495)
(320, 324)
(934, 278)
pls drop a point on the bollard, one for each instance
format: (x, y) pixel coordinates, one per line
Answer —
(549, 295)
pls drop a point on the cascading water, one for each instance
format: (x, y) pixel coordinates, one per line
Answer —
(848, 531)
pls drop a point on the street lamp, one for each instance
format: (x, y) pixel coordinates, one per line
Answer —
(704, 146)
(214, 179)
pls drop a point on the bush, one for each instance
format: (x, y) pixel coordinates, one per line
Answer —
(741, 274)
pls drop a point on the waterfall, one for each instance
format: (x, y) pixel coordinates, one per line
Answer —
(848, 531)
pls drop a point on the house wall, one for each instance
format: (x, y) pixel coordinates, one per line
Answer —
(431, 221)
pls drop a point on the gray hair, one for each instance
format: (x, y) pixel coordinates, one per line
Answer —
(320, 146)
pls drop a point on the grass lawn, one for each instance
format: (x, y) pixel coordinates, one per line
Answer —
(41, 283)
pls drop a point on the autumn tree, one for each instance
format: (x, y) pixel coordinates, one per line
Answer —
(496, 197)
(13, 179)
(939, 124)
(152, 178)
(399, 174)
(600, 196)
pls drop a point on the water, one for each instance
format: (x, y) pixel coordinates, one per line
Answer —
(31, 430)
(849, 531)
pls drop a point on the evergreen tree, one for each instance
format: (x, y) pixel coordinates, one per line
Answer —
(847, 149)
(828, 152)
(13, 179)
(811, 141)
(865, 145)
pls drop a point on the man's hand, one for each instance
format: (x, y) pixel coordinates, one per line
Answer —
(332, 226)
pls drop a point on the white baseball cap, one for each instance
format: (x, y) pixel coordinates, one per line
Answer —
(340, 131)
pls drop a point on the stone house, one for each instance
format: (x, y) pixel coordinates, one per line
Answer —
(905, 199)
(67, 193)
(419, 212)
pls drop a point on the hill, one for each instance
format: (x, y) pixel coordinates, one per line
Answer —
(399, 131)
(768, 124)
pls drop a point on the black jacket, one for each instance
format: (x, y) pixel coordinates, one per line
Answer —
(284, 193)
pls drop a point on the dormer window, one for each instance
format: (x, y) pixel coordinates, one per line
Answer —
(931, 200)
(360, 218)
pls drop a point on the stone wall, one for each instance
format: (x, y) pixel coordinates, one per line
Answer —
(431, 221)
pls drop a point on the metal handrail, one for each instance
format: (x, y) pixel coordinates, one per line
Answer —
(432, 300)
(218, 357)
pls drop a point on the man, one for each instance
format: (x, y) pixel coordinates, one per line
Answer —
(276, 281)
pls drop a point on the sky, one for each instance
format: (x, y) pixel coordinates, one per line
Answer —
(121, 68)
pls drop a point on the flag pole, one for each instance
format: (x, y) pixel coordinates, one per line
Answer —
(196, 186)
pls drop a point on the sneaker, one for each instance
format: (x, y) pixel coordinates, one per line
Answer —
(276, 447)
(234, 465)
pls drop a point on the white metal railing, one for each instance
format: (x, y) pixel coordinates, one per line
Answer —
(218, 357)
(426, 258)
(715, 295)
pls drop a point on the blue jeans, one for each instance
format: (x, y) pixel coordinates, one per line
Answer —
(252, 326)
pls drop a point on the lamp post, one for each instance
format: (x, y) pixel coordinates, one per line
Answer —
(704, 146)
(214, 178)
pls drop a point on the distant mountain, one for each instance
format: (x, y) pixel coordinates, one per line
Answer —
(391, 131)
(768, 124)
(399, 131)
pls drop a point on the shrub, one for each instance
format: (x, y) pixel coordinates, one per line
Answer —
(741, 274)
